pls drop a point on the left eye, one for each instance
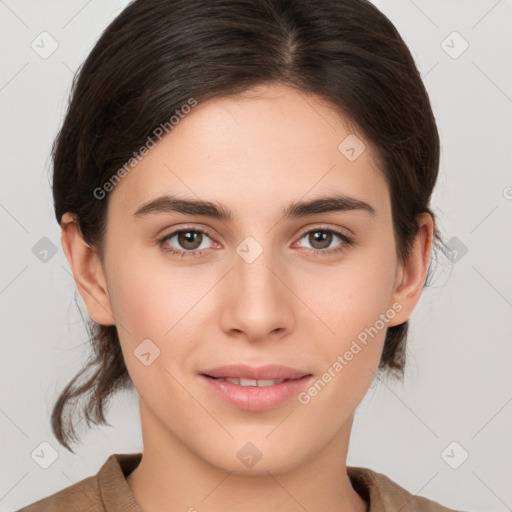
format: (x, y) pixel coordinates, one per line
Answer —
(323, 238)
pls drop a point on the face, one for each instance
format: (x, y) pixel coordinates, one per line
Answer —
(312, 292)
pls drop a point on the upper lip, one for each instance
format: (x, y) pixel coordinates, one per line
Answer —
(267, 372)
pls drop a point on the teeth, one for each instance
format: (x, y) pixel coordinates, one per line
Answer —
(253, 382)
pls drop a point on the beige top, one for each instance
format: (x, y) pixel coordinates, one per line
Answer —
(108, 491)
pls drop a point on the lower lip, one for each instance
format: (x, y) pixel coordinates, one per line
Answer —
(255, 398)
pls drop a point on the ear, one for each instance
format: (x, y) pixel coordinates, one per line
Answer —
(87, 271)
(411, 274)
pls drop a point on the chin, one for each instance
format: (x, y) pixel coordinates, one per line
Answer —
(251, 458)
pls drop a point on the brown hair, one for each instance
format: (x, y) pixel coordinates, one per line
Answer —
(157, 54)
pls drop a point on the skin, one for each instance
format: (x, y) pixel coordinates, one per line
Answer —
(254, 153)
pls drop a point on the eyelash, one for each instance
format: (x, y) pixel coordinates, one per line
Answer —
(347, 242)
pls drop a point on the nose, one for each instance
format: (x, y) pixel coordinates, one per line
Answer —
(258, 299)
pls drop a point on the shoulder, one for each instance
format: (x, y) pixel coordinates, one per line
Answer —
(105, 491)
(386, 495)
(83, 496)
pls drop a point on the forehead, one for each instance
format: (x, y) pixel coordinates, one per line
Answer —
(267, 146)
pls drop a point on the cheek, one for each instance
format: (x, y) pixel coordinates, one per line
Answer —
(149, 295)
(160, 303)
(351, 296)
(352, 300)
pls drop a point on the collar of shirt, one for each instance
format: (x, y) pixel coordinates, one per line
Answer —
(379, 491)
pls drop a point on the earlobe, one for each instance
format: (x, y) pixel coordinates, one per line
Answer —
(87, 272)
(412, 272)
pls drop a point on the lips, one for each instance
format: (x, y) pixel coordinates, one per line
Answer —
(244, 395)
(245, 373)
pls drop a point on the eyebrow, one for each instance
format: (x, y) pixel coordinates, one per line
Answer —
(297, 209)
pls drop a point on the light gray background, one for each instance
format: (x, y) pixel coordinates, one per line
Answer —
(457, 385)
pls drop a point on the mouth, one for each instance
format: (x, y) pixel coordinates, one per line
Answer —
(261, 383)
(251, 375)
(255, 389)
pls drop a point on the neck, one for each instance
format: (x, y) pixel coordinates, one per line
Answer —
(171, 476)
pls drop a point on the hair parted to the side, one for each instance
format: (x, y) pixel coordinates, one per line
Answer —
(157, 54)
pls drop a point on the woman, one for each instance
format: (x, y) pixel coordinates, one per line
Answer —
(243, 189)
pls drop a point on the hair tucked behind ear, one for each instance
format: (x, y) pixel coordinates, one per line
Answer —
(157, 54)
